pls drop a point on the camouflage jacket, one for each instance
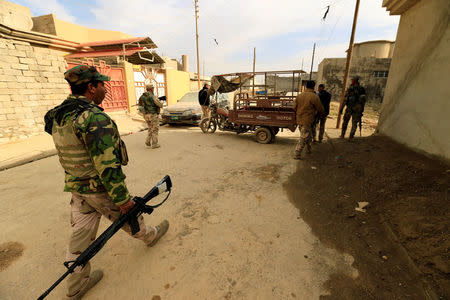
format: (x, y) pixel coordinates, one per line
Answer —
(100, 137)
(355, 95)
(148, 102)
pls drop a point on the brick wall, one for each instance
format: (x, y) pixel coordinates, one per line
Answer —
(31, 83)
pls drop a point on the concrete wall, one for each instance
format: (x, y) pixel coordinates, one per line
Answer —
(416, 105)
(15, 16)
(331, 73)
(378, 49)
(31, 83)
(51, 25)
(177, 84)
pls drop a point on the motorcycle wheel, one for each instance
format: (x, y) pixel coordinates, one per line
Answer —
(208, 126)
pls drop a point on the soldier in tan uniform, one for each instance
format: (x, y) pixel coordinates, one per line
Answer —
(91, 153)
(151, 108)
(306, 105)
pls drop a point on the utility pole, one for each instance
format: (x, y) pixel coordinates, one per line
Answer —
(347, 66)
(254, 61)
(196, 36)
(312, 61)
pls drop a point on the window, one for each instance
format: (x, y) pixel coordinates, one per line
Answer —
(380, 74)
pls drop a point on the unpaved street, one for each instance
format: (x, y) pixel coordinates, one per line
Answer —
(234, 233)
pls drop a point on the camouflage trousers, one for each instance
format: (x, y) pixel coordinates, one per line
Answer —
(87, 210)
(355, 115)
(305, 138)
(205, 111)
(153, 128)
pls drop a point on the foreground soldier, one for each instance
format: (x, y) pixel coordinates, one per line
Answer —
(306, 105)
(91, 152)
(151, 108)
(355, 99)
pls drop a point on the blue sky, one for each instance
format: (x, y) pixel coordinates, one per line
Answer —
(282, 31)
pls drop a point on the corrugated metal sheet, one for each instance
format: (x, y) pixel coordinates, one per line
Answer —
(111, 44)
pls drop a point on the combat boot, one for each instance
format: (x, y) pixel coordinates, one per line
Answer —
(161, 230)
(298, 155)
(94, 277)
(308, 148)
(156, 146)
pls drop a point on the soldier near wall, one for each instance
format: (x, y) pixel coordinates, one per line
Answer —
(91, 153)
(151, 107)
(355, 100)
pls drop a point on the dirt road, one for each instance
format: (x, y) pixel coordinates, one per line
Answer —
(234, 233)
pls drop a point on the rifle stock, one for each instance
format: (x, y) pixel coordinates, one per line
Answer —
(165, 185)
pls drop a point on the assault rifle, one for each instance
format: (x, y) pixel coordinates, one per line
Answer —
(360, 124)
(140, 207)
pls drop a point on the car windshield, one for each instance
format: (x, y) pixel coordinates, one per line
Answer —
(189, 97)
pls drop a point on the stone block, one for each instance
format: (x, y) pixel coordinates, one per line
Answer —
(8, 123)
(30, 103)
(7, 110)
(3, 85)
(9, 59)
(29, 92)
(12, 72)
(30, 73)
(10, 46)
(43, 61)
(41, 79)
(4, 98)
(25, 79)
(27, 61)
(3, 44)
(4, 51)
(17, 53)
(16, 85)
(8, 78)
(56, 79)
(30, 54)
(41, 50)
(11, 116)
(3, 117)
(20, 67)
(6, 91)
(24, 47)
(26, 122)
(33, 85)
(19, 97)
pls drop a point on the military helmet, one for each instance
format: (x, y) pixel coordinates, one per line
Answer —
(83, 73)
(149, 86)
(356, 78)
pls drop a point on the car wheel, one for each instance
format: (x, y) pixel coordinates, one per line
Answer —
(263, 135)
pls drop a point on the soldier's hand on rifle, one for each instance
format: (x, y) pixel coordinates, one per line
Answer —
(127, 206)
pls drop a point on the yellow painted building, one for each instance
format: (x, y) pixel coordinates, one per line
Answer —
(177, 84)
(72, 32)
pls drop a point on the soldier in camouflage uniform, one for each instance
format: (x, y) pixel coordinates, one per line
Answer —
(355, 99)
(91, 152)
(151, 108)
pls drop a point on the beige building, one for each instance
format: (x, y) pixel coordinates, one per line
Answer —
(370, 61)
(416, 105)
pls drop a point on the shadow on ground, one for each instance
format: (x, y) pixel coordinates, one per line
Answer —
(400, 244)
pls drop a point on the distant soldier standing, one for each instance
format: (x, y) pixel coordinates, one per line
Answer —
(306, 105)
(151, 108)
(91, 153)
(325, 99)
(355, 99)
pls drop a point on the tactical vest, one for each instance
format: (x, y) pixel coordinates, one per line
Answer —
(354, 95)
(151, 107)
(72, 153)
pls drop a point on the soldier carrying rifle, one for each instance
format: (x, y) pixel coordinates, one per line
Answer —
(91, 153)
(355, 99)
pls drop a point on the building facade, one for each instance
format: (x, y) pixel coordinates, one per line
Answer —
(370, 61)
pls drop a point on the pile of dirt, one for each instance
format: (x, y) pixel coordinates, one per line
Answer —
(400, 243)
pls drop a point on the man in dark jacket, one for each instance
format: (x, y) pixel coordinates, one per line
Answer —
(203, 99)
(325, 99)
